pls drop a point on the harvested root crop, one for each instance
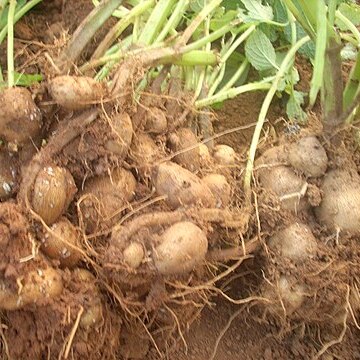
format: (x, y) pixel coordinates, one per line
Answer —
(182, 247)
(61, 243)
(155, 121)
(181, 186)
(224, 155)
(220, 188)
(103, 198)
(295, 242)
(35, 286)
(339, 209)
(308, 156)
(122, 133)
(76, 92)
(281, 180)
(20, 118)
(185, 140)
(53, 191)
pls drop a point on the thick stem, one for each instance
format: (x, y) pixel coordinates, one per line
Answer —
(85, 32)
(288, 60)
(10, 44)
(332, 96)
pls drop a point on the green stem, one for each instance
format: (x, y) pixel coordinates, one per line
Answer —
(200, 17)
(121, 25)
(236, 76)
(231, 93)
(174, 19)
(300, 17)
(332, 5)
(215, 82)
(10, 44)
(19, 14)
(3, 4)
(192, 58)
(201, 83)
(349, 25)
(319, 61)
(288, 60)
(85, 32)
(155, 22)
(120, 12)
(213, 36)
(353, 84)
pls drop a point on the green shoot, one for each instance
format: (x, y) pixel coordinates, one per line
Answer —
(286, 63)
(10, 44)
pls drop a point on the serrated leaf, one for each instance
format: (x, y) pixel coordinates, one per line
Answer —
(294, 110)
(308, 50)
(352, 12)
(256, 11)
(260, 52)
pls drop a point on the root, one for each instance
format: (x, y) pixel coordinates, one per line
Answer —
(224, 217)
(66, 134)
(224, 255)
(224, 330)
(331, 343)
(4, 342)
(70, 339)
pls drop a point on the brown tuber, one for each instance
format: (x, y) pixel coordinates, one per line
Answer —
(75, 92)
(224, 155)
(20, 118)
(104, 196)
(182, 140)
(219, 187)
(308, 156)
(53, 191)
(182, 247)
(181, 186)
(33, 287)
(134, 255)
(155, 121)
(340, 209)
(281, 180)
(55, 246)
(295, 242)
(121, 135)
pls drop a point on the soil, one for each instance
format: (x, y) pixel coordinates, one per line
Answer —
(110, 312)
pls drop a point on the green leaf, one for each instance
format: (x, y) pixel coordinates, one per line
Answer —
(27, 79)
(308, 50)
(260, 52)
(230, 4)
(3, 20)
(255, 11)
(352, 12)
(232, 65)
(222, 19)
(294, 110)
